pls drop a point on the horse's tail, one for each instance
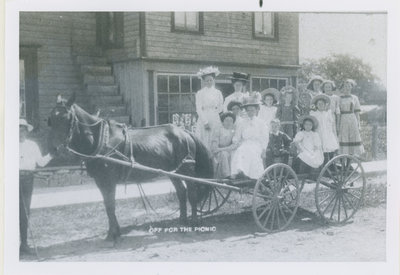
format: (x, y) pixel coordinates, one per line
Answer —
(204, 167)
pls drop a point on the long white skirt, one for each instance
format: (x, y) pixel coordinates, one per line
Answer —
(247, 159)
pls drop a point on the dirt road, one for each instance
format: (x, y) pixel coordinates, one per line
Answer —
(76, 233)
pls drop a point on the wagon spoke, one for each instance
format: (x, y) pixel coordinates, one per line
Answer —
(215, 197)
(281, 174)
(344, 207)
(334, 206)
(277, 216)
(329, 204)
(355, 179)
(358, 198)
(349, 201)
(288, 209)
(264, 196)
(267, 206)
(272, 219)
(283, 213)
(339, 208)
(332, 176)
(352, 173)
(267, 218)
(209, 201)
(327, 197)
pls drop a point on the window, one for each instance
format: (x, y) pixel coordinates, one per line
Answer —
(187, 22)
(261, 83)
(176, 99)
(265, 25)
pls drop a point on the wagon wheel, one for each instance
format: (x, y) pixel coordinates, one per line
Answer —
(213, 201)
(276, 198)
(340, 189)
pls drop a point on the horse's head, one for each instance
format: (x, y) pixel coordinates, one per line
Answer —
(61, 122)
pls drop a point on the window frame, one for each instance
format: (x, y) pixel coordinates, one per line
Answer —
(200, 31)
(269, 78)
(168, 93)
(275, 28)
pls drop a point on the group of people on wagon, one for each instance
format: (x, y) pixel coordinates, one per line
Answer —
(248, 131)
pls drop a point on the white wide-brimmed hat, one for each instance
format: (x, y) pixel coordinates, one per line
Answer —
(272, 92)
(309, 117)
(23, 122)
(211, 70)
(314, 78)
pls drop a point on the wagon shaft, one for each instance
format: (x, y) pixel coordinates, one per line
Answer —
(170, 174)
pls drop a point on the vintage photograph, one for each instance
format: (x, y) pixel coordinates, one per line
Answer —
(202, 136)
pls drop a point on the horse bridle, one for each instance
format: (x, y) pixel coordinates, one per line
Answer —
(73, 126)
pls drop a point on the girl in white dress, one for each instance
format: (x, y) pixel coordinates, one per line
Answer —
(209, 101)
(326, 126)
(328, 87)
(251, 140)
(308, 145)
(267, 111)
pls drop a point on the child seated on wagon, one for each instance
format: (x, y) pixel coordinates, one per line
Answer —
(278, 145)
(309, 147)
(221, 145)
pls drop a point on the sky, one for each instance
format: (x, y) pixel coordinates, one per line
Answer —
(360, 35)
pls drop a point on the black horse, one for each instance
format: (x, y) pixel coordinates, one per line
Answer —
(165, 147)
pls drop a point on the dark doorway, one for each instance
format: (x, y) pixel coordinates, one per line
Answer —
(110, 29)
(28, 88)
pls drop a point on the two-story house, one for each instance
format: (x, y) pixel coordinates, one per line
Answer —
(140, 67)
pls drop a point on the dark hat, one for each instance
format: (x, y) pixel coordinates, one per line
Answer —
(272, 92)
(323, 97)
(309, 117)
(314, 78)
(226, 114)
(237, 76)
(232, 104)
(251, 101)
(328, 82)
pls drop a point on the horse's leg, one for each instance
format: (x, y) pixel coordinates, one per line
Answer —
(192, 196)
(107, 189)
(192, 189)
(181, 193)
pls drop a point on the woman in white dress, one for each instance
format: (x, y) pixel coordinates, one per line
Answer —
(326, 126)
(268, 110)
(251, 140)
(308, 145)
(209, 101)
(239, 82)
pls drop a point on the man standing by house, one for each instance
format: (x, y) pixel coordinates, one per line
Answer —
(29, 157)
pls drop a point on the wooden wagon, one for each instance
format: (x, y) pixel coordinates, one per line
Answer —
(339, 191)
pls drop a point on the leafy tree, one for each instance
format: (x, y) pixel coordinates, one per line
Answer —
(339, 67)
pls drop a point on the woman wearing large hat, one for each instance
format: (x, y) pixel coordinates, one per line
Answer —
(349, 121)
(251, 140)
(239, 82)
(288, 111)
(209, 101)
(314, 85)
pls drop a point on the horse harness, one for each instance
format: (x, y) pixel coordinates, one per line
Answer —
(104, 150)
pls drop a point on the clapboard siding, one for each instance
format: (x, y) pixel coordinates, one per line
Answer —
(131, 30)
(226, 37)
(56, 33)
